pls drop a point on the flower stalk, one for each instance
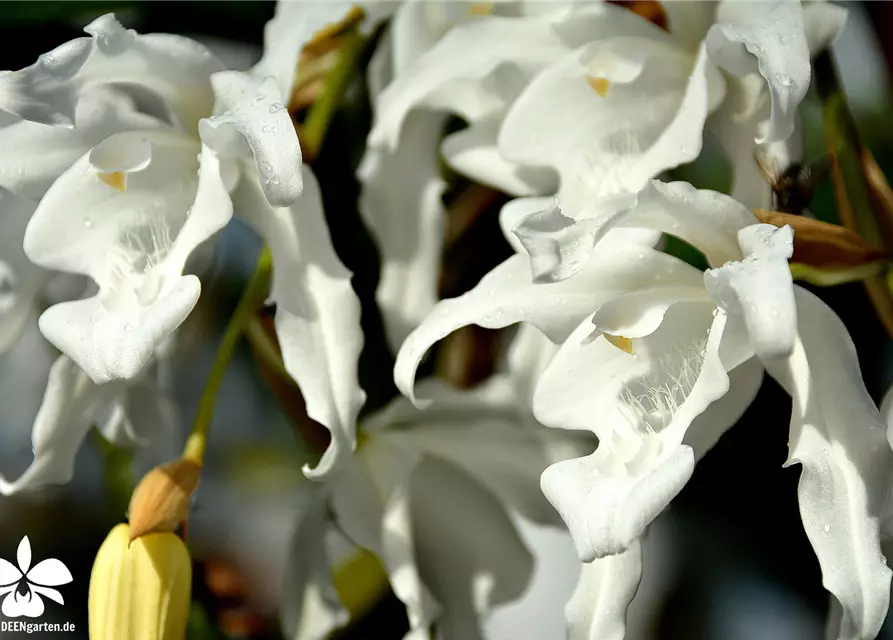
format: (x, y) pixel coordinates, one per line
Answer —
(252, 298)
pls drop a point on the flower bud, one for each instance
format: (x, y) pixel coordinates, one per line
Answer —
(161, 500)
(140, 590)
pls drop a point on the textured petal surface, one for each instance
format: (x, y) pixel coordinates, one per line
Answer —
(43, 152)
(613, 115)
(597, 609)
(133, 238)
(560, 245)
(466, 72)
(174, 70)
(761, 289)
(838, 437)
(769, 37)
(317, 315)
(608, 498)
(474, 152)
(83, 223)
(507, 295)
(251, 120)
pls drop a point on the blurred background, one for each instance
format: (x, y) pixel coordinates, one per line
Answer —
(728, 561)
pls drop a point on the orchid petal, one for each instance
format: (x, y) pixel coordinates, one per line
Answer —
(70, 403)
(174, 69)
(133, 240)
(528, 356)
(310, 609)
(824, 22)
(735, 125)
(20, 279)
(463, 71)
(253, 121)
(640, 313)
(83, 218)
(480, 432)
(769, 37)
(744, 384)
(317, 315)
(514, 211)
(761, 288)
(109, 344)
(650, 118)
(43, 153)
(401, 206)
(474, 567)
(370, 500)
(597, 609)
(838, 437)
(688, 22)
(473, 152)
(559, 246)
(506, 295)
(608, 498)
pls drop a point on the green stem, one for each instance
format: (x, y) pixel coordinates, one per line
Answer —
(251, 299)
(317, 123)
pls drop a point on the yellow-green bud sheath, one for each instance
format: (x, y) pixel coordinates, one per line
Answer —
(140, 590)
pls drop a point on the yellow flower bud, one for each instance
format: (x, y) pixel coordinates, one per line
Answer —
(140, 590)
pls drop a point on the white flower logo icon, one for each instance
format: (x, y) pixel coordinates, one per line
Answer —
(24, 585)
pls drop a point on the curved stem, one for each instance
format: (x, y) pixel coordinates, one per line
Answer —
(252, 298)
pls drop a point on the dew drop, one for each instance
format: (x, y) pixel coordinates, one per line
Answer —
(825, 452)
(276, 107)
(826, 527)
(128, 327)
(88, 222)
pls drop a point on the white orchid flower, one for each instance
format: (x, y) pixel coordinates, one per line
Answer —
(659, 359)
(129, 208)
(537, 82)
(442, 58)
(416, 476)
(127, 413)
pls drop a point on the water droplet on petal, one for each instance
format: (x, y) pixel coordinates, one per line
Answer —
(128, 327)
(276, 107)
(88, 222)
(826, 527)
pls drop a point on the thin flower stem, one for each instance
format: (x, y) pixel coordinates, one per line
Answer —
(316, 125)
(252, 298)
